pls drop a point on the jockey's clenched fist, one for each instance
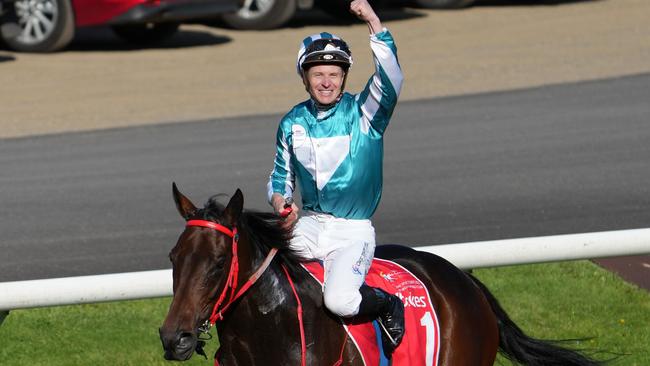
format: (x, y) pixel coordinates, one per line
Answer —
(362, 10)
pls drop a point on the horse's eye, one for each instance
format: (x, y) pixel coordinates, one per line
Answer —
(216, 270)
(220, 263)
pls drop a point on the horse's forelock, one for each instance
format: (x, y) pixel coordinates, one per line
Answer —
(213, 209)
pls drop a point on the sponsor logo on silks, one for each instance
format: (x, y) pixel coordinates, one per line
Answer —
(412, 301)
(363, 263)
(299, 134)
(390, 277)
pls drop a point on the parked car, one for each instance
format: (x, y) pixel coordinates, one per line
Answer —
(49, 25)
(267, 14)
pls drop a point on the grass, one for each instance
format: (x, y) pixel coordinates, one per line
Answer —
(120, 333)
(561, 300)
(576, 300)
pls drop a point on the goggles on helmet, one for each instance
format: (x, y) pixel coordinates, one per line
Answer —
(322, 51)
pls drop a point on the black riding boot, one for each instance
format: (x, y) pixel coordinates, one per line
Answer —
(389, 310)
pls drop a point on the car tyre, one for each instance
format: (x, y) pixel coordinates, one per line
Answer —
(261, 14)
(444, 4)
(45, 25)
(147, 33)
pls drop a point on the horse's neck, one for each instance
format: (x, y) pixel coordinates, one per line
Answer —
(273, 294)
(264, 329)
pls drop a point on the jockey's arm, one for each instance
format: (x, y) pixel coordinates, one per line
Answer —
(363, 11)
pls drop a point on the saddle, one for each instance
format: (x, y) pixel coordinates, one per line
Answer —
(421, 343)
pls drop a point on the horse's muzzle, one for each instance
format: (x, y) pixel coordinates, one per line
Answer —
(178, 346)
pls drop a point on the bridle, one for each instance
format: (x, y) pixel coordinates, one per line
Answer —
(231, 281)
(231, 284)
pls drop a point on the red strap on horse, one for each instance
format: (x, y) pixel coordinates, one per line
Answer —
(303, 343)
(211, 225)
(231, 281)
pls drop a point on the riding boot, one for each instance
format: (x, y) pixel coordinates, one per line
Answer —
(389, 311)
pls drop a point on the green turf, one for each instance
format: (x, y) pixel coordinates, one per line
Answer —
(562, 300)
(119, 333)
(576, 300)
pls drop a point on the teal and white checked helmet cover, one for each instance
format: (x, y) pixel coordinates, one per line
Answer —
(323, 48)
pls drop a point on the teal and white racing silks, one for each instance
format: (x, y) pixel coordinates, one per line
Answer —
(337, 155)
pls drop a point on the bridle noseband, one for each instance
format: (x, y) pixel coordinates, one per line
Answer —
(231, 282)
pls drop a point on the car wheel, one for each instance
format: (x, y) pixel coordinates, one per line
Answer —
(444, 4)
(45, 25)
(261, 14)
(147, 33)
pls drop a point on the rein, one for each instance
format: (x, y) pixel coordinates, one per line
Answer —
(231, 284)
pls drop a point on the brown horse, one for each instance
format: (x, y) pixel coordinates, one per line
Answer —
(224, 271)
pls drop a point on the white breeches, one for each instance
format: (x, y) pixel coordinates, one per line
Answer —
(346, 248)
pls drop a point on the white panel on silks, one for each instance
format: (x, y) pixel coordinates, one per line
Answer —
(330, 153)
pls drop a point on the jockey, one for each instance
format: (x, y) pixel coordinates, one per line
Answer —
(333, 144)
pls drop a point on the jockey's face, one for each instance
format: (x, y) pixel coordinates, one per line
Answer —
(324, 82)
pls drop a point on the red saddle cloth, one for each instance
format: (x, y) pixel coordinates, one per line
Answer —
(421, 343)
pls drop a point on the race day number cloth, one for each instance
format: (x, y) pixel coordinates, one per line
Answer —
(421, 343)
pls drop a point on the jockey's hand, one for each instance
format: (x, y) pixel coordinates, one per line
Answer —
(362, 10)
(279, 204)
(292, 217)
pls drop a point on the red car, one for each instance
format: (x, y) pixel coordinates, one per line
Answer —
(49, 25)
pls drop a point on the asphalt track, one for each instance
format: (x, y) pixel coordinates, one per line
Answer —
(552, 160)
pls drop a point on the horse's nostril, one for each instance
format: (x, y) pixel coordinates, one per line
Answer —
(178, 345)
(186, 340)
(184, 346)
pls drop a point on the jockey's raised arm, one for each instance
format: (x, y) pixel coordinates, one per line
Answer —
(331, 145)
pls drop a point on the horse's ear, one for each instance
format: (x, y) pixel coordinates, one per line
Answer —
(234, 208)
(183, 204)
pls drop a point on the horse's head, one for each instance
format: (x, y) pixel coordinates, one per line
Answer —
(200, 270)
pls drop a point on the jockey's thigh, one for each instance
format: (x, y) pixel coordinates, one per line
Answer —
(305, 237)
(350, 246)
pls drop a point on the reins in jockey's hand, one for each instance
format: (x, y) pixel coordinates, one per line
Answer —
(288, 209)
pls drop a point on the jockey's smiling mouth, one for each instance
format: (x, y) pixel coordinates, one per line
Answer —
(324, 83)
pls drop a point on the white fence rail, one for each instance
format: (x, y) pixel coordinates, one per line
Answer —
(149, 284)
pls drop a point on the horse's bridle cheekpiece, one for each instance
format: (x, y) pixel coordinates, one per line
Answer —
(231, 282)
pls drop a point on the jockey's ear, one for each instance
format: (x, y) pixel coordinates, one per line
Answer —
(184, 206)
(234, 208)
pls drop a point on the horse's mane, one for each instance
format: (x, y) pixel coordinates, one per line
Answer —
(264, 230)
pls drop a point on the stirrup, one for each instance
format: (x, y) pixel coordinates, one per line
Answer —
(387, 333)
